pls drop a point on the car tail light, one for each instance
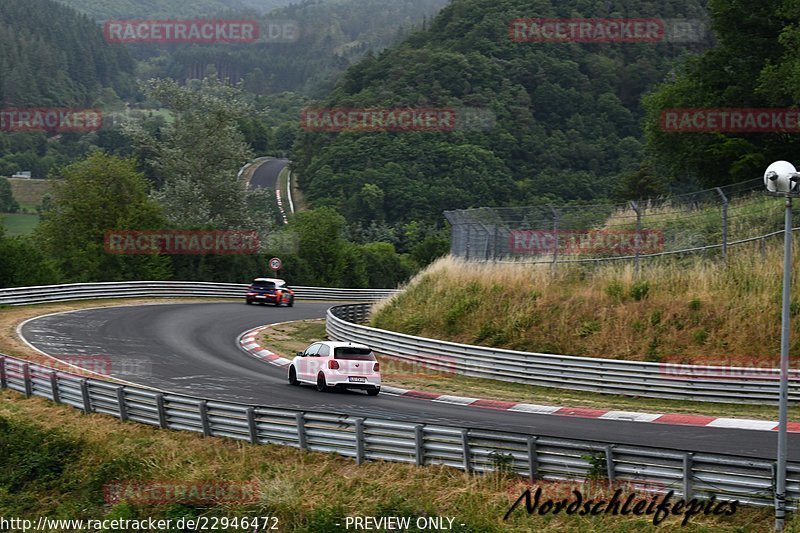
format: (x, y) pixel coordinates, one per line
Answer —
(333, 365)
(377, 367)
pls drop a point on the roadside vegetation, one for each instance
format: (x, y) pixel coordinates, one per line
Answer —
(677, 310)
(62, 460)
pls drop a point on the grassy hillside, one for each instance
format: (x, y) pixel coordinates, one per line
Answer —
(29, 192)
(689, 311)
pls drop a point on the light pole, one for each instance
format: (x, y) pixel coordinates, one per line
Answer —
(781, 180)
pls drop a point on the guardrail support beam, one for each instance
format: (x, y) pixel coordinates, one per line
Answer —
(203, 409)
(162, 413)
(533, 459)
(688, 460)
(26, 379)
(419, 445)
(301, 430)
(54, 387)
(610, 470)
(87, 403)
(122, 406)
(466, 450)
(251, 425)
(360, 444)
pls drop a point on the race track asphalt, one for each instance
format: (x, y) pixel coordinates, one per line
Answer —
(192, 349)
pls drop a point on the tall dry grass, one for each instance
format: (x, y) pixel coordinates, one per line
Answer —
(678, 309)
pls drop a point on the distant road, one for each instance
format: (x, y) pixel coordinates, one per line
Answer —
(266, 175)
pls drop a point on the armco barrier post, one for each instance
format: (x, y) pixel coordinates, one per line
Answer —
(87, 404)
(26, 379)
(3, 379)
(54, 387)
(687, 476)
(300, 419)
(533, 459)
(251, 425)
(465, 448)
(203, 410)
(162, 413)
(610, 471)
(419, 445)
(123, 407)
(359, 427)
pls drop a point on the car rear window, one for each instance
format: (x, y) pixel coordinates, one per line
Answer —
(354, 354)
(264, 284)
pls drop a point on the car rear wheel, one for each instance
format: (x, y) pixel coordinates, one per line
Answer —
(249, 302)
(293, 376)
(322, 385)
(291, 301)
(373, 392)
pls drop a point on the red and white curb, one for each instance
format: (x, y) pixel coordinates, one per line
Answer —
(248, 343)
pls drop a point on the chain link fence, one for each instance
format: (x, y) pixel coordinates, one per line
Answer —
(708, 221)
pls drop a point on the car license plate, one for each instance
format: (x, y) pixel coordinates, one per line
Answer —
(260, 296)
(357, 380)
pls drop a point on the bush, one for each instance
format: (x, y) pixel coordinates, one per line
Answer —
(639, 290)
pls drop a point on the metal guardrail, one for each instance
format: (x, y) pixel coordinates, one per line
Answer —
(168, 289)
(612, 376)
(370, 439)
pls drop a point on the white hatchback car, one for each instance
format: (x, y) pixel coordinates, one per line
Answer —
(342, 365)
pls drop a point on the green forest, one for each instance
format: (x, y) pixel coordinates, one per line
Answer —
(570, 123)
(568, 115)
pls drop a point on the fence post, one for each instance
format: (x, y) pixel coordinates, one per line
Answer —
(301, 430)
(3, 378)
(359, 440)
(468, 242)
(203, 408)
(533, 459)
(687, 476)
(724, 224)
(87, 404)
(123, 407)
(610, 470)
(251, 425)
(638, 239)
(555, 237)
(26, 379)
(419, 445)
(763, 249)
(54, 387)
(465, 448)
(162, 414)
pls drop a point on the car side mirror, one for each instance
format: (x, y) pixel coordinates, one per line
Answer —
(301, 354)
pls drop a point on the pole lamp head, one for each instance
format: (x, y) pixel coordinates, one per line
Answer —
(781, 177)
